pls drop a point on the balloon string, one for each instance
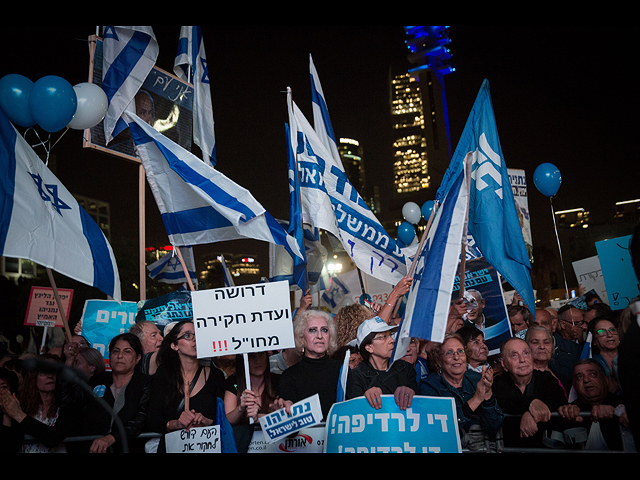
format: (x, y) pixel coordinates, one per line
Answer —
(553, 214)
(45, 144)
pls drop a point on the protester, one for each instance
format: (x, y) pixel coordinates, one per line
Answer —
(374, 377)
(595, 397)
(123, 389)
(571, 324)
(478, 410)
(527, 394)
(475, 348)
(520, 319)
(605, 346)
(316, 373)
(543, 318)
(540, 340)
(151, 339)
(10, 435)
(89, 361)
(185, 394)
(37, 412)
(419, 363)
(347, 321)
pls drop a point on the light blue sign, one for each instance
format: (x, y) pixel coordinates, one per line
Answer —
(102, 320)
(429, 426)
(617, 270)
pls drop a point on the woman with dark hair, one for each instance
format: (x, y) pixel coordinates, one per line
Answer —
(37, 411)
(185, 393)
(126, 391)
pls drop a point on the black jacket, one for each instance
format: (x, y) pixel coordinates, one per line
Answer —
(364, 377)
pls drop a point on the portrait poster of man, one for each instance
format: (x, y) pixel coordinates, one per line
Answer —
(164, 101)
(483, 281)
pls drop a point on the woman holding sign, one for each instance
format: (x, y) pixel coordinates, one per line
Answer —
(317, 373)
(185, 394)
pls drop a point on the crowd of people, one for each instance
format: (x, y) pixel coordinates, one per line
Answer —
(540, 391)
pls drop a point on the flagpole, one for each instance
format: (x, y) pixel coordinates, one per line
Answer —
(60, 307)
(465, 231)
(425, 235)
(184, 268)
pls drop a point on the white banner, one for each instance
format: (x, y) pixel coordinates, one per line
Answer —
(239, 320)
(194, 440)
(278, 425)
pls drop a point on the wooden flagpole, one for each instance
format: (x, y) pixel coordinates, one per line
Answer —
(60, 307)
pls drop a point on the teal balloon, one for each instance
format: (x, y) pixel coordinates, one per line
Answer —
(53, 103)
(15, 91)
(547, 179)
(406, 233)
(427, 209)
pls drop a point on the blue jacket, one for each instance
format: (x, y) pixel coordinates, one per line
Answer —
(489, 415)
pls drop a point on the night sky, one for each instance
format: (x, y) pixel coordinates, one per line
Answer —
(561, 94)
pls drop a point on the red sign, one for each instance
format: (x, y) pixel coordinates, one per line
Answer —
(42, 310)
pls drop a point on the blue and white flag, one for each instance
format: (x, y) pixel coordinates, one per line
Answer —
(198, 204)
(130, 53)
(427, 310)
(296, 227)
(191, 65)
(169, 268)
(226, 274)
(330, 202)
(321, 118)
(493, 216)
(42, 222)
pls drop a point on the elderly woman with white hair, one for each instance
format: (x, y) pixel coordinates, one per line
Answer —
(316, 373)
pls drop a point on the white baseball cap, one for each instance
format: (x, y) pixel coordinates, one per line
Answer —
(373, 325)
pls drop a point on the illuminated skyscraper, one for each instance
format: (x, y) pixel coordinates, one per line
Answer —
(422, 146)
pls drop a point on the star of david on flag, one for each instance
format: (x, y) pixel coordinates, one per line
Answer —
(169, 269)
(42, 222)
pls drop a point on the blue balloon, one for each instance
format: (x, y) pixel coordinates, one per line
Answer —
(427, 208)
(406, 233)
(15, 91)
(53, 103)
(547, 179)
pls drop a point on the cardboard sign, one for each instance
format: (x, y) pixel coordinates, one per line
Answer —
(279, 425)
(194, 440)
(589, 275)
(619, 276)
(307, 440)
(42, 310)
(429, 426)
(102, 320)
(239, 320)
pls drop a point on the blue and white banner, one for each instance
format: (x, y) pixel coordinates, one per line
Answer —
(198, 204)
(429, 299)
(279, 425)
(102, 320)
(429, 426)
(169, 268)
(493, 215)
(191, 65)
(330, 202)
(42, 222)
(129, 55)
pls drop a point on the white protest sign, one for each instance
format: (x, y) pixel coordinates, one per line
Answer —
(239, 320)
(307, 440)
(194, 440)
(589, 275)
(279, 425)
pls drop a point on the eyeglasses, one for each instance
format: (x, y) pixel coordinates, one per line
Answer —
(453, 353)
(187, 336)
(602, 332)
(383, 337)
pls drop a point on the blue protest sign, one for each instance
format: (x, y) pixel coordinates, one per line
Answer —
(429, 426)
(102, 320)
(619, 276)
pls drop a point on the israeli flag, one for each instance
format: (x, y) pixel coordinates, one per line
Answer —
(330, 202)
(226, 274)
(296, 228)
(42, 222)
(321, 118)
(198, 204)
(427, 309)
(191, 66)
(130, 53)
(493, 217)
(169, 268)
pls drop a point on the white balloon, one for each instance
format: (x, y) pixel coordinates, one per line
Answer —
(412, 213)
(92, 106)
